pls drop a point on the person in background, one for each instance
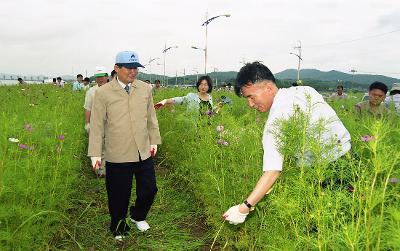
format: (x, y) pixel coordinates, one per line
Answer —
(229, 87)
(157, 84)
(60, 83)
(54, 81)
(77, 85)
(196, 102)
(101, 77)
(394, 97)
(21, 81)
(113, 72)
(256, 83)
(339, 94)
(123, 116)
(374, 105)
(86, 84)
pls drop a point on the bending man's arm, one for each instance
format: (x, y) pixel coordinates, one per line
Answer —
(263, 185)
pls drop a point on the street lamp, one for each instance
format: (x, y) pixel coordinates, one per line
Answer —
(205, 48)
(184, 76)
(197, 74)
(165, 51)
(353, 71)
(299, 56)
(149, 64)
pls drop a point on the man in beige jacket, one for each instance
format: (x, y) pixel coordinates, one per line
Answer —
(123, 114)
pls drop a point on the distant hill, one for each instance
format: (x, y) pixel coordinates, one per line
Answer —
(335, 76)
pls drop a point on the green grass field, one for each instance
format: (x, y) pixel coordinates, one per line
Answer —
(51, 200)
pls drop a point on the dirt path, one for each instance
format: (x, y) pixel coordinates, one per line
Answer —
(176, 219)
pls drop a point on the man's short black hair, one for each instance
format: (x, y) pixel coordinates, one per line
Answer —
(394, 92)
(378, 85)
(252, 73)
(86, 79)
(19, 79)
(79, 76)
(340, 86)
(209, 82)
(59, 78)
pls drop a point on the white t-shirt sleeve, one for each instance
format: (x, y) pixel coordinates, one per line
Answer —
(272, 158)
(89, 99)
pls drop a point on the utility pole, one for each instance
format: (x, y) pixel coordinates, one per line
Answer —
(216, 76)
(298, 55)
(184, 76)
(353, 71)
(176, 77)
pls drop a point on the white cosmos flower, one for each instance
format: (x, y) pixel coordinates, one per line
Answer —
(14, 140)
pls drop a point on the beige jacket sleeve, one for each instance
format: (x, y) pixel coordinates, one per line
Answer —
(97, 122)
(152, 123)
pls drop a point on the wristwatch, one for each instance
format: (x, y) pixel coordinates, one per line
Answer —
(248, 205)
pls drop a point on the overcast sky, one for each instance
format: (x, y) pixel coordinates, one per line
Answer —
(57, 37)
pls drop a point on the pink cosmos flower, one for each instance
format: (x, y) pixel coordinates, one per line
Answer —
(367, 138)
(61, 137)
(222, 142)
(28, 127)
(22, 146)
(220, 128)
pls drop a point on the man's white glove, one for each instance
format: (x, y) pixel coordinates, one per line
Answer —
(87, 127)
(153, 150)
(234, 216)
(96, 163)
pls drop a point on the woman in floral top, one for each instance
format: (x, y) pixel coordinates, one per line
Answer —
(200, 101)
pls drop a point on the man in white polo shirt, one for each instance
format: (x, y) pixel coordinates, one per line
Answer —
(257, 84)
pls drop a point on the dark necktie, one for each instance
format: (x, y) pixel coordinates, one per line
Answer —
(127, 88)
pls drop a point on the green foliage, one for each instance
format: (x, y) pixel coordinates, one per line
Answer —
(45, 203)
(37, 174)
(300, 212)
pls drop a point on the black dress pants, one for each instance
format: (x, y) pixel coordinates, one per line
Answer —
(119, 185)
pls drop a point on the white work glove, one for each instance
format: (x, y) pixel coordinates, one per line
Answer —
(153, 150)
(160, 104)
(96, 163)
(234, 216)
(87, 127)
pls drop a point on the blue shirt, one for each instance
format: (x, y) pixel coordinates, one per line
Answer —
(192, 100)
(76, 86)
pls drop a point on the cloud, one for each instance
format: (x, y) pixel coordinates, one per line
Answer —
(391, 20)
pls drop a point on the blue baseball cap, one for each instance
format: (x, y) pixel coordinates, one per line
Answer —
(128, 59)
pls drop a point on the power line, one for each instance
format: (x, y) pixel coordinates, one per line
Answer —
(355, 40)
